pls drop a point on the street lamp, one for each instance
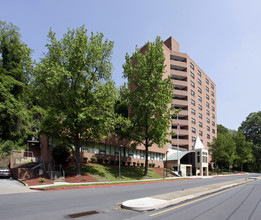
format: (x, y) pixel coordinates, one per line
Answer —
(167, 163)
(120, 162)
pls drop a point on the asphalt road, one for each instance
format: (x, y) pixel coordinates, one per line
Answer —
(242, 202)
(106, 201)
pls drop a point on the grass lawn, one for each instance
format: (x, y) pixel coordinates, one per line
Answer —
(111, 173)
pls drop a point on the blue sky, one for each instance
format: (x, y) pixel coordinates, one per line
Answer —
(223, 37)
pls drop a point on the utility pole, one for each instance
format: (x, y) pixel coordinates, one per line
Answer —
(120, 162)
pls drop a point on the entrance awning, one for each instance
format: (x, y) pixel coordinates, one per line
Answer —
(178, 155)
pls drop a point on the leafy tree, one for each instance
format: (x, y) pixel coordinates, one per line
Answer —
(75, 87)
(243, 149)
(222, 129)
(15, 69)
(252, 130)
(223, 150)
(149, 97)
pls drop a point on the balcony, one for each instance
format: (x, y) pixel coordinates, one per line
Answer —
(178, 68)
(179, 83)
(181, 122)
(182, 132)
(180, 103)
(178, 92)
(178, 63)
(176, 74)
(178, 58)
(181, 142)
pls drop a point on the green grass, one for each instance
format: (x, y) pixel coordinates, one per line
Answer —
(95, 184)
(111, 173)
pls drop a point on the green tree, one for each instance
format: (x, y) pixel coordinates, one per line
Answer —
(149, 97)
(223, 150)
(15, 69)
(75, 87)
(252, 130)
(243, 149)
(222, 129)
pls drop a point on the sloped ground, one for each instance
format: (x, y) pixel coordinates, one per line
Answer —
(4, 162)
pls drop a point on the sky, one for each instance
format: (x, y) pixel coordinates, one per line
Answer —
(223, 37)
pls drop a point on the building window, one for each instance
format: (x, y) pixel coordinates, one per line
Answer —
(213, 131)
(193, 130)
(207, 81)
(212, 86)
(213, 109)
(193, 121)
(208, 121)
(199, 73)
(192, 66)
(213, 123)
(192, 75)
(198, 157)
(193, 139)
(199, 98)
(208, 128)
(199, 90)
(200, 124)
(213, 116)
(207, 96)
(199, 81)
(212, 93)
(208, 112)
(192, 102)
(212, 100)
(192, 84)
(200, 133)
(193, 111)
(207, 104)
(200, 115)
(208, 136)
(207, 88)
(199, 107)
(192, 93)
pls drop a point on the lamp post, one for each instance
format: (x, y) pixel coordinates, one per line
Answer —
(120, 162)
(167, 163)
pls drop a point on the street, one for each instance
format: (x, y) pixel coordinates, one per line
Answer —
(242, 202)
(105, 201)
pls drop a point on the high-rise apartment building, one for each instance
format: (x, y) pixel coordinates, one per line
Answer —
(195, 94)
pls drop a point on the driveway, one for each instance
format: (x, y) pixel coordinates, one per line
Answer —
(10, 186)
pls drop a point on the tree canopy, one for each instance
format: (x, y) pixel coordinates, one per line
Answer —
(15, 69)
(74, 84)
(149, 97)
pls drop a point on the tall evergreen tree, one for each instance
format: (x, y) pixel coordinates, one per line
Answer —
(15, 69)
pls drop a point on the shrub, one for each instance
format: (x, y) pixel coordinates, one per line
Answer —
(159, 166)
(85, 159)
(134, 164)
(42, 180)
(129, 163)
(93, 160)
(106, 161)
(150, 164)
(153, 164)
(138, 164)
(112, 162)
(61, 153)
(123, 163)
(100, 160)
(142, 164)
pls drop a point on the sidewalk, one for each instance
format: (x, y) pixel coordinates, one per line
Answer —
(164, 200)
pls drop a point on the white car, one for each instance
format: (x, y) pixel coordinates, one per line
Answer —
(5, 172)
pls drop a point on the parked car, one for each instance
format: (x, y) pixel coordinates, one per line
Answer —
(5, 172)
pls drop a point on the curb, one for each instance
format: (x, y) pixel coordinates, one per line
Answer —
(154, 202)
(103, 185)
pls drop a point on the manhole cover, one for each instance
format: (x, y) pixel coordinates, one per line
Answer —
(77, 215)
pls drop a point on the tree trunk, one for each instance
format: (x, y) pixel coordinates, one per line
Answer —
(146, 159)
(77, 157)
